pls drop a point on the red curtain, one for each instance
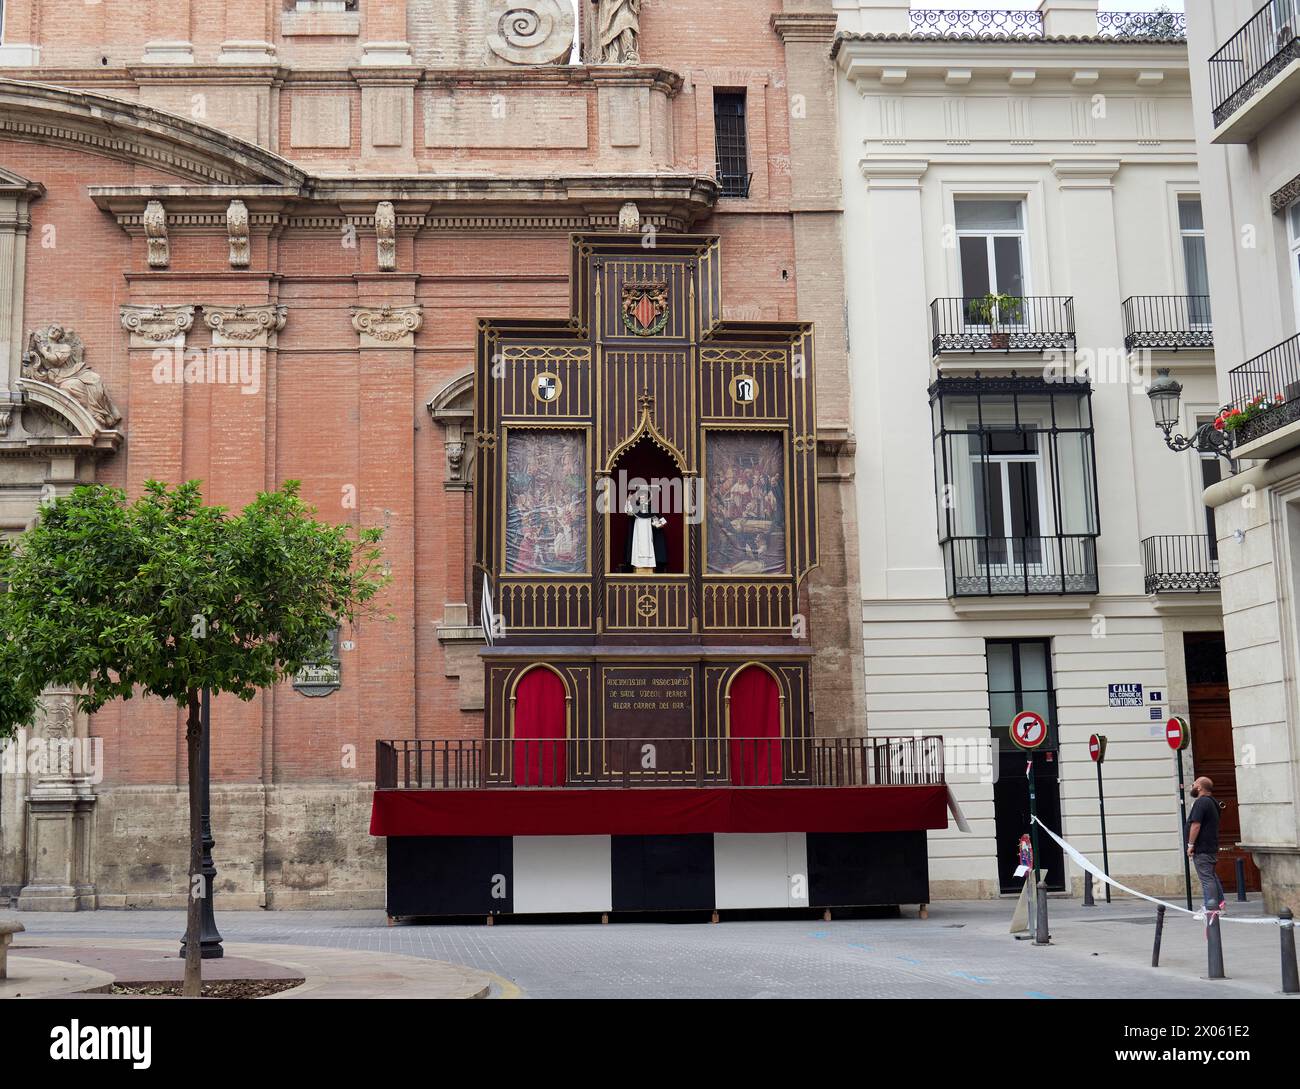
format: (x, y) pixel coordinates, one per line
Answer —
(539, 745)
(755, 714)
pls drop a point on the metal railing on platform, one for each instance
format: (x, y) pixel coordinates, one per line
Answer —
(483, 763)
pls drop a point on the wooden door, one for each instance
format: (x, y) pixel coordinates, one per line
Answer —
(1213, 749)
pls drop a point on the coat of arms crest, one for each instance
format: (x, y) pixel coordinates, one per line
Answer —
(645, 308)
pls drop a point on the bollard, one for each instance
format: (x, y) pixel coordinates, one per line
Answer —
(1290, 975)
(1241, 880)
(1041, 936)
(1214, 945)
(1160, 930)
(1087, 890)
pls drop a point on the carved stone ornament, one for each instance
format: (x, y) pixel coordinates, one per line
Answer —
(237, 231)
(154, 326)
(155, 231)
(56, 357)
(387, 326)
(245, 326)
(386, 235)
(455, 458)
(618, 31)
(531, 31)
(453, 408)
(629, 218)
(1287, 195)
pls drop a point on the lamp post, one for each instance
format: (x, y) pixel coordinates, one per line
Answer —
(209, 937)
(1165, 394)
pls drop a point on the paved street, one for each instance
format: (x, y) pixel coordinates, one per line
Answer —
(962, 951)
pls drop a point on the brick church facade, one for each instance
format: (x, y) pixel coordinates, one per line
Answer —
(257, 239)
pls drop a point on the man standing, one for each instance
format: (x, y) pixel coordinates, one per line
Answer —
(1203, 843)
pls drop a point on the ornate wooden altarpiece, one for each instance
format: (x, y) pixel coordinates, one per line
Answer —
(646, 381)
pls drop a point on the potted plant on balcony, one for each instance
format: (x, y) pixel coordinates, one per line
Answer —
(994, 309)
(1233, 418)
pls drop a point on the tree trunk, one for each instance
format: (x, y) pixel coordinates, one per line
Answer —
(198, 883)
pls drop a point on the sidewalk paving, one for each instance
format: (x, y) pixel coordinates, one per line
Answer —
(963, 950)
(49, 967)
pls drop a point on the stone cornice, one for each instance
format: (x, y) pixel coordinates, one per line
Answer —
(131, 132)
(805, 26)
(1085, 173)
(521, 77)
(863, 59)
(432, 202)
(894, 173)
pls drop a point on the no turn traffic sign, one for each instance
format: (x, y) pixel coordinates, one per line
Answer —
(1028, 730)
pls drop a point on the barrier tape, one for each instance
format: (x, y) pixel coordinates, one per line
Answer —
(1202, 915)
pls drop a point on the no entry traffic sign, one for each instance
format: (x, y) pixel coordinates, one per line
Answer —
(1177, 733)
(1097, 748)
(1028, 730)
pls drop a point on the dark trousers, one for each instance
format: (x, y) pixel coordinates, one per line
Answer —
(1211, 886)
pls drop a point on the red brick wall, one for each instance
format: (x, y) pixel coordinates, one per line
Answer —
(336, 417)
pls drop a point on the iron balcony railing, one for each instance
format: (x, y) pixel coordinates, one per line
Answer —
(734, 185)
(1253, 56)
(976, 24)
(1180, 563)
(1168, 322)
(1267, 388)
(516, 763)
(1032, 324)
(1161, 26)
(1021, 566)
(1165, 26)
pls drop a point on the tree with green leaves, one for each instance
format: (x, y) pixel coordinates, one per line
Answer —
(167, 597)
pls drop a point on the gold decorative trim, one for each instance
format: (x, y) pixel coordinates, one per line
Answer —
(647, 429)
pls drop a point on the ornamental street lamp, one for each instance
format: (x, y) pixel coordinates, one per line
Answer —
(1165, 394)
(209, 937)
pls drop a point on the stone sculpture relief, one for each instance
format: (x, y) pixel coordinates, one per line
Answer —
(247, 326)
(388, 326)
(56, 357)
(386, 235)
(618, 31)
(150, 326)
(155, 231)
(531, 31)
(237, 232)
(629, 218)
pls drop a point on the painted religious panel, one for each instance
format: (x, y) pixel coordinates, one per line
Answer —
(745, 513)
(546, 502)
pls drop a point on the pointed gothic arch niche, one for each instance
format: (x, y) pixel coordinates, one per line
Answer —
(646, 461)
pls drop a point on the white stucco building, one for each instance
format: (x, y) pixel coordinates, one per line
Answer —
(1246, 112)
(1021, 207)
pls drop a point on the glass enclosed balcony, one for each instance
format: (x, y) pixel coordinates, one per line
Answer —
(1016, 482)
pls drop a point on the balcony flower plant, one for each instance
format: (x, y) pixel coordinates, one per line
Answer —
(994, 309)
(1233, 418)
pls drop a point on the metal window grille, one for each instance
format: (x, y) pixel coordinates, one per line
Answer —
(732, 143)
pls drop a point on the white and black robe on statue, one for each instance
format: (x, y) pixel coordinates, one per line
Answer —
(647, 544)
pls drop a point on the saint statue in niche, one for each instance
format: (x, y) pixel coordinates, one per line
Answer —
(647, 544)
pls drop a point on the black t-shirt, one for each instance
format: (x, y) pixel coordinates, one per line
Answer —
(1205, 811)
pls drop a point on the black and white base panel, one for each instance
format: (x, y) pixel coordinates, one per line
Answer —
(538, 875)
